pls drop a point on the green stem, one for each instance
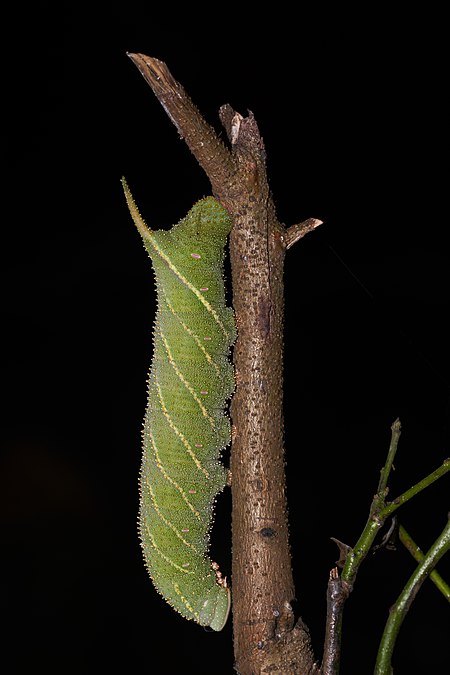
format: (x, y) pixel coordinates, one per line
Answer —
(400, 608)
(386, 470)
(356, 555)
(415, 489)
(418, 555)
(380, 511)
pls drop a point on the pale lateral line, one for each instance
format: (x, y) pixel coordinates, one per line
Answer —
(160, 466)
(147, 234)
(184, 601)
(188, 284)
(204, 351)
(167, 559)
(185, 382)
(175, 429)
(164, 519)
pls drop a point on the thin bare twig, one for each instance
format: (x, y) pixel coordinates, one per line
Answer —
(297, 231)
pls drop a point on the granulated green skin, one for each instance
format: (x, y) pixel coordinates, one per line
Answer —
(186, 426)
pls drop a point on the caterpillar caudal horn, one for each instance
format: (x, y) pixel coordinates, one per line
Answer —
(186, 426)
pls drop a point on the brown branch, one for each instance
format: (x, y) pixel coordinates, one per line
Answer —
(337, 593)
(201, 138)
(265, 639)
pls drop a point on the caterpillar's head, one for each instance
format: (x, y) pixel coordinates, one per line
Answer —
(216, 608)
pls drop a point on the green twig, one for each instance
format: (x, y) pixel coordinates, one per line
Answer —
(375, 521)
(418, 555)
(398, 612)
(415, 489)
(379, 512)
(351, 558)
(386, 470)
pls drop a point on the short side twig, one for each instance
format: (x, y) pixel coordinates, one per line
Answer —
(297, 231)
(386, 470)
(389, 509)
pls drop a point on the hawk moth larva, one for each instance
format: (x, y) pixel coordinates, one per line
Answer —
(186, 426)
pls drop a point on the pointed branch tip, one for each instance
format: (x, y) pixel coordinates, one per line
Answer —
(297, 231)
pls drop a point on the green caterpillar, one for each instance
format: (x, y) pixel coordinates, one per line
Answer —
(186, 426)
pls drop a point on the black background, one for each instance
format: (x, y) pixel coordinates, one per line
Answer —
(353, 113)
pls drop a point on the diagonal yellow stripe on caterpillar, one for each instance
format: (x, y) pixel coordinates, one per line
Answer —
(184, 381)
(175, 429)
(184, 601)
(166, 558)
(146, 234)
(165, 521)
(190, 332)
(160, 466)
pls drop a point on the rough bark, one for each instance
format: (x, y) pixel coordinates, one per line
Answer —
(265, 637)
